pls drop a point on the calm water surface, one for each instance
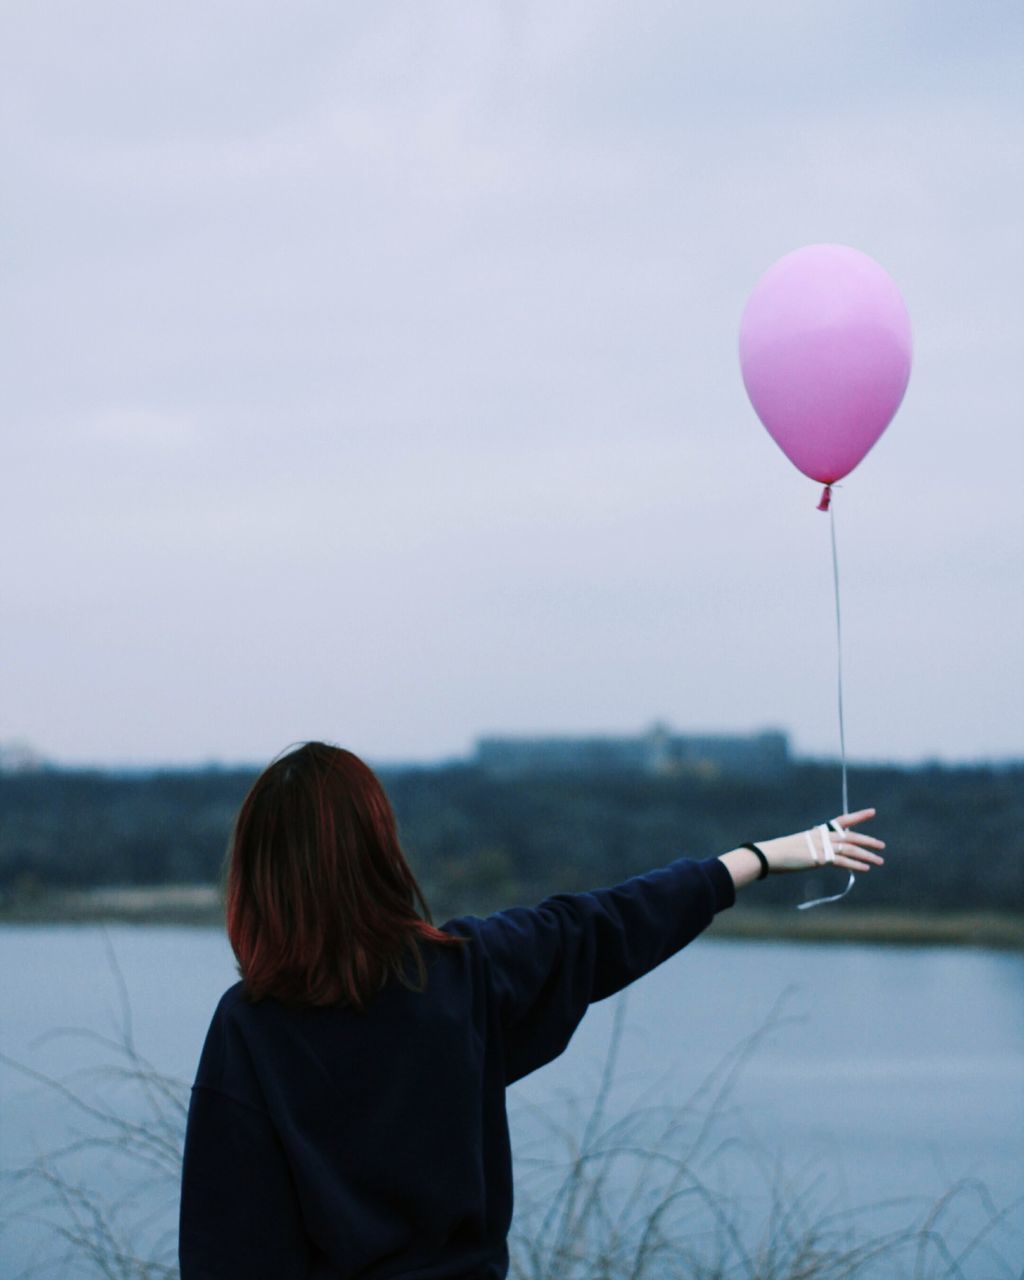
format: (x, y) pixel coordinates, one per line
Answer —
(887, 1072)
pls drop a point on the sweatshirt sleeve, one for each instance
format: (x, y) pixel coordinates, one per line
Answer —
(239, 1216)
(548, 963)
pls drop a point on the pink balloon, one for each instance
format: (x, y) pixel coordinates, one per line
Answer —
(825, 351)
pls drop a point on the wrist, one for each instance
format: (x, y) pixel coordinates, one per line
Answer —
(759, 854)
(743, 865)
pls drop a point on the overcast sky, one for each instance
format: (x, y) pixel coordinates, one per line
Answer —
(370, 374)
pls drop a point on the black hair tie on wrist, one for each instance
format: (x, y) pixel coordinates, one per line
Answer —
(760, 856)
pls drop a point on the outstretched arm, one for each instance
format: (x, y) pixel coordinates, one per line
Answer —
(548, 963)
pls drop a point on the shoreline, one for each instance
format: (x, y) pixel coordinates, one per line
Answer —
(1003, 931)
(200, 906)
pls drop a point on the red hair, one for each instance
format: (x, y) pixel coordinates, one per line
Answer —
(320, 902)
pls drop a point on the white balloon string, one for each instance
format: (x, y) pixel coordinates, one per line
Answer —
(839, 654)
(816, 902)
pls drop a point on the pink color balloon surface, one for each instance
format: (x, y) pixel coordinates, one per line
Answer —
(825, 352)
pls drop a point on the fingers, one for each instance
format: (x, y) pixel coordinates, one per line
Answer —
(852, 851)
(851, 855)
(851, 819)
(868, 842)
(851, 864)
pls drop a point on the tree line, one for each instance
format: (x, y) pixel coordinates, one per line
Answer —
(955, 834)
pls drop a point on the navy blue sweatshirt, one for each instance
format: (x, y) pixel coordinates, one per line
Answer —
(327, 1144)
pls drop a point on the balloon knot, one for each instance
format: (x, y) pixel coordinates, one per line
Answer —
(826, 498)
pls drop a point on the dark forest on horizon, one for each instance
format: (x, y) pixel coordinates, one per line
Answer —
(954, 834)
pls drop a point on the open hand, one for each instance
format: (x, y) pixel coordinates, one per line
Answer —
(852, 848)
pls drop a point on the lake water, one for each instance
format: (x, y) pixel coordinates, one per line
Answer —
(886, 1073)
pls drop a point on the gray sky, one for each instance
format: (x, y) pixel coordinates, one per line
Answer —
(370, 374)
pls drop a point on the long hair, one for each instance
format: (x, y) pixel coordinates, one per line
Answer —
(320, 903)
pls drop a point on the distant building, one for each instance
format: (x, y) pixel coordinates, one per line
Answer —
(20, 757)
(657, 752)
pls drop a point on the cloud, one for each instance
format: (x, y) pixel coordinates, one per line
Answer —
(416, 326)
